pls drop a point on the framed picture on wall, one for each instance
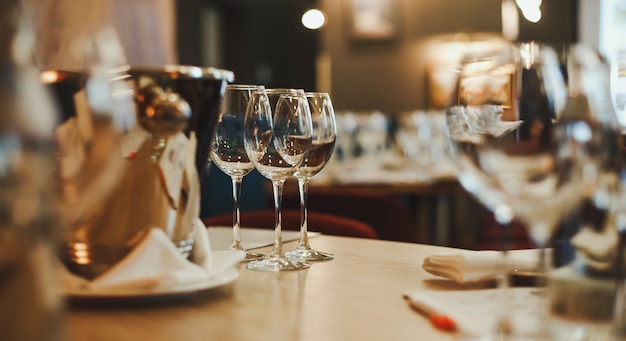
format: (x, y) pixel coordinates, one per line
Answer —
(472, 91)
(374, 19)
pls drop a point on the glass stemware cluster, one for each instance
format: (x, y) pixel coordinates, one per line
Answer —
(282, 133)
(527, 140)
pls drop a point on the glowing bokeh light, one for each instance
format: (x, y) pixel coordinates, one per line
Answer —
(313, 19)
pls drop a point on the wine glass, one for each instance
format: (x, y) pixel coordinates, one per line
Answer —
(519, 151)
(577, 282)
(228, 151)
(97, 114)
(323, 136)
(277, 136)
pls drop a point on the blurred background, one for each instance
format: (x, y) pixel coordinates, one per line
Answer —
(378, 59)
(387, 56)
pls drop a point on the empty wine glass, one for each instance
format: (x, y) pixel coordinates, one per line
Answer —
(371, 136)
(228, 151)
(323, 142)
(579, 307)
(277, 136)
(347, 125)
(519, 152)
(97, 115)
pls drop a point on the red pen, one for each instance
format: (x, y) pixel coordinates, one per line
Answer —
(441, 322)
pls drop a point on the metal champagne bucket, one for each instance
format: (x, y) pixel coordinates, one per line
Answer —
(165, 158)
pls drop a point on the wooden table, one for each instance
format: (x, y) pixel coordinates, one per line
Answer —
(356, 296)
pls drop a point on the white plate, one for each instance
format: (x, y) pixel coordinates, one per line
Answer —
(136, 295)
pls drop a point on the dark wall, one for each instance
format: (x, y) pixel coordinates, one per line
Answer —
(558, 24)
(263, 41)
(189, 35)
(392, 75)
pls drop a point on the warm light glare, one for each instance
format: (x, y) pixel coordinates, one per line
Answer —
(49, 76)
(313, 19)
(532, 14)
(531, 9)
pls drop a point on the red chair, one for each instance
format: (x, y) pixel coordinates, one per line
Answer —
(491, 237)
(318, 222)
(390, 217)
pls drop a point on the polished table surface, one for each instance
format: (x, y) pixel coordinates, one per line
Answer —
(356, 296)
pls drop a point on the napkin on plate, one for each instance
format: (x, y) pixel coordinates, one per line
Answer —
(473, 266)
(156, 264)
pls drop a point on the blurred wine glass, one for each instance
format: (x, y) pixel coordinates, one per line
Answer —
(347, 124)
(228, 151)
(371, 136)
(520, 150)
(422, 140)
(277, 136)
(586, 283)
(30, 225)
(97, 111)
(323, 135)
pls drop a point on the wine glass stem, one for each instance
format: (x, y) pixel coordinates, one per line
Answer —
(543, 268)
(303, 185)
(543, 263)
(236, 245)
(277, 186)
(504, 326)
(619, 319)
(541, 242)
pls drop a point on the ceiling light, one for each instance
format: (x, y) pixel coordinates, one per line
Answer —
(313, 19)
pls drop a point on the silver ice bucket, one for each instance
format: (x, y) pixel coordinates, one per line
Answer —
(166, 159)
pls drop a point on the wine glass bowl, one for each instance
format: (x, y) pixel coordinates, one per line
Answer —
(531, 158)
(228, 152)
(324, 134)
(277, 136)
(519, 151)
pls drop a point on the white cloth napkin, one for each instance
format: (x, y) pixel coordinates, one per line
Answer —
(473, 266)
(156, 264)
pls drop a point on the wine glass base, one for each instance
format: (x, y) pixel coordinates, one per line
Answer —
(251, 256)
(308, 255)
(276, 264)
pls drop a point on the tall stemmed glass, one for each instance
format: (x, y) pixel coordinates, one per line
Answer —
(228, 151)
(519, 152)
(277, 137)
(323, 135)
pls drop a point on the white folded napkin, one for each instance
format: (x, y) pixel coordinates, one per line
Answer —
(473, 266)
(156, 264)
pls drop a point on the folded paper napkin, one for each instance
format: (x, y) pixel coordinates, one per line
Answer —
(476, 312)
(156, 264)
(473, 266)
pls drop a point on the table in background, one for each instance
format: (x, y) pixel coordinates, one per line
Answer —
(357, 296)
(441, 211)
